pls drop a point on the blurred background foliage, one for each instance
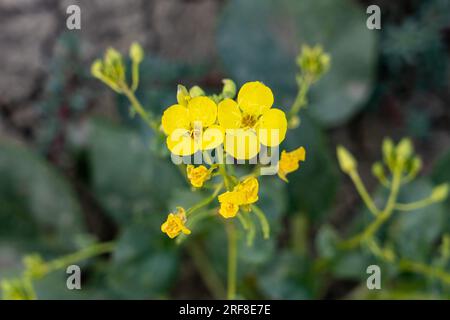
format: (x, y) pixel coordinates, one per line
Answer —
(86, 169)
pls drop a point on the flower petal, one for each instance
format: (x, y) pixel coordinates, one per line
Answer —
(202, 109)
(180, 143)
(254, 98)
(212, 137)
(175, 117)
(272, 127)
(229, 114)
(241, 144)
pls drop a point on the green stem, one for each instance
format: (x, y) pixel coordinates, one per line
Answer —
(429, 271)
(206, 270)
(300, 99)
(263, 220)
(94, 250)
(363, 193)
(380, 219)
(413, 205)
(140, 109)
(205, 201)
(224, 174)
(232, 260)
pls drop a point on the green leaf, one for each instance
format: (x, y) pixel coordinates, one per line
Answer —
(36, 203)
(126, 177)
(145, 263)
(259, 40)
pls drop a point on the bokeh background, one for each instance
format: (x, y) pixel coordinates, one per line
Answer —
(77, 167)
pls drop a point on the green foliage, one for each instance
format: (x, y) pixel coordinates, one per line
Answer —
(127, 179)
(259, 40)
(37, 205)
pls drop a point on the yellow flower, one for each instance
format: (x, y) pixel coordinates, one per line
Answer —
(228, 209)
(191, 128)
(289, 162)
(197, 176)
(174, 224)
(243, 194)
(249, 189)
(251, 121)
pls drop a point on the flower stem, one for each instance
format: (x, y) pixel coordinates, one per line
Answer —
(300, 100)
(429, 271)
(232, 260)
(381, 218)
(363, 193)
(206, 270)
(205, 201)
(152, 123)
(94, 250)
(414, 205)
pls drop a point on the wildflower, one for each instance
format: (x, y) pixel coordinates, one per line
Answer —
(249, 190)
(228, 209)
(289, 162)
(174, 224)
(197, 175)
(244, 194)
(251, 121)
(191, 128)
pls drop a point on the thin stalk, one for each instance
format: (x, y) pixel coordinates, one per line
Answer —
(206, 270)
(205, 201)
(94, 250)
(363, 193)
(232, 260)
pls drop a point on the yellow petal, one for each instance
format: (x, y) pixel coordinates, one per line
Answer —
(241, 144)
(229, 114)
(180, 143)
(254, 98)
(272, 127)
(202, 109)
(212, 137)
(175, 117)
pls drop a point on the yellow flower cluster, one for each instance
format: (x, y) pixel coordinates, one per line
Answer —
(244, 194)
(175, 224)
(198, 123)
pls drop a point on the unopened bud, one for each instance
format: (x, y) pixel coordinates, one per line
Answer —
(346, 160)
(439, 192)
(229, 89)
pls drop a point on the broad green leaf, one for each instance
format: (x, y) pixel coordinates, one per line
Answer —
(126, 177)
(37, 205)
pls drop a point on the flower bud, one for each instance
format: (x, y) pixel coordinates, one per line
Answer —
(196, 91)
(346, 160)
(439, 193)
(404, 150)
(378, 172)
(136, 52)
(313, 62)
(388, 153)
(182, 95)
(96, 69)
(229, 89)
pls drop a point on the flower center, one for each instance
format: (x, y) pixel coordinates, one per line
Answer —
(248, 121)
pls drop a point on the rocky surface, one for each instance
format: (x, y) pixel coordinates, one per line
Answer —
(175, 29)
